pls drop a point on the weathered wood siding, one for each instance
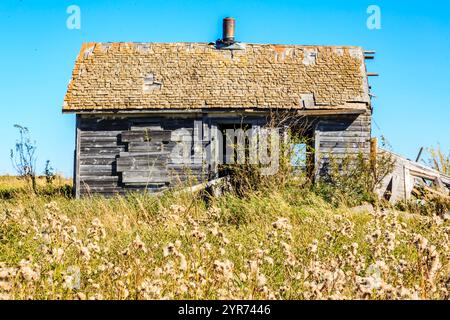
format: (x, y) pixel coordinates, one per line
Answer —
(339, 136)
(116, 154)
(119, 155)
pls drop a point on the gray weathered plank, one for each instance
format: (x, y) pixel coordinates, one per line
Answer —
(146, 135)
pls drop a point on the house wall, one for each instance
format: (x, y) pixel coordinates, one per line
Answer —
(120, 153)
(116, 154)
(337, 137)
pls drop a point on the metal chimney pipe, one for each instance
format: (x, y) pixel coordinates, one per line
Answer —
(228, 30)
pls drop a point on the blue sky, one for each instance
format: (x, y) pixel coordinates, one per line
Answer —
(412, 108)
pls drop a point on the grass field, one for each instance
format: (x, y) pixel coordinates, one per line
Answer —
(282, 243)
(12, 186)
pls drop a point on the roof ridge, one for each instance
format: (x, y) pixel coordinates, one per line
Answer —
(213, 43)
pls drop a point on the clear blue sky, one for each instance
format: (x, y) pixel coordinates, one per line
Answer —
(412, 108)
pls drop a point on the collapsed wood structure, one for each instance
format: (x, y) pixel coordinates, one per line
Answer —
(408, 176)
(134, 103)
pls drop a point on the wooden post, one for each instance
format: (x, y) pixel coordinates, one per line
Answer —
(373, 153)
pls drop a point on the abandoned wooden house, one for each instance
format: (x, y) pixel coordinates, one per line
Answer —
(135, 101)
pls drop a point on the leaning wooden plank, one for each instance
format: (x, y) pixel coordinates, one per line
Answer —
(204, 185)
(437, 193)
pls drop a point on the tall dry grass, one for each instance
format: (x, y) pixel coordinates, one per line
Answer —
(439, 160)
(279, 243)
(13, 186)
(273, 237)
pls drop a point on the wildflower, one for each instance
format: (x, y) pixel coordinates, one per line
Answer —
(52, 206)
(139, 245)
(151, 289)
(183, 288)
(97, 296)
(214, 230)
(68, 282)
(313, 246)
(224, 268)
(158, 272)
(434, 264)
(201, 272)
(177, 209)
(368, 284)
(183, 262)
(94, 247)
(290, 260)
(261, 281)
(4, 296)
(5, 286)
(27, 271)
(85, 253)
(214, 212)
(58, 253)
(81, 296)
(200, 236)
(6, 273)
(253, 265)
(282, 224)
(421, 242)
(96, 231)
(169, 249)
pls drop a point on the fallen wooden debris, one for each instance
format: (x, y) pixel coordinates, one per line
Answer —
(409, 178)
(213, 185)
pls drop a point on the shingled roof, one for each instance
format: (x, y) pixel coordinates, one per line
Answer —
(141, 76)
